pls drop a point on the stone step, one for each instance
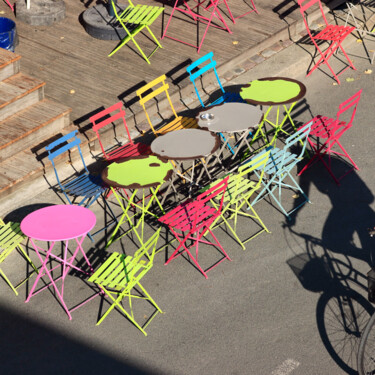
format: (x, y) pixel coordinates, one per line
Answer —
(9, 64)
(18, 92)
(31, 125)
(30, 171)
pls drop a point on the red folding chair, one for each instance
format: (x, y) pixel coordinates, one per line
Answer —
(191, 221)
(234, 18)
(325, 134)
(333, 34)
(201, 11)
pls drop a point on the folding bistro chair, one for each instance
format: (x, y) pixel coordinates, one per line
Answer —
(191, 221)
(233, 18)
(334, 35)
(154, 90)
(200, 11)
(134, 19)
(11, 237)
(241, 186)
(119, 277)
(359, 21)
(107, 118)
(83, 186)
(200, 67)
(326, 132)
(279, 166)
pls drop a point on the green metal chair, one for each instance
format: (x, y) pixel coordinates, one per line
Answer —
(11, 237)
(134, 19)
(241, 186)
(119, 277)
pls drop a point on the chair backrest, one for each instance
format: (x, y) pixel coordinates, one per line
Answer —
(105, 118)
(215, 192)
(201, 66)
(63, 144)
(349, 104)
(304, 6)
(299, 137)
(150, 91)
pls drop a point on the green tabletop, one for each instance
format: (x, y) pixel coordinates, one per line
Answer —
(273, 90)
(137, 172)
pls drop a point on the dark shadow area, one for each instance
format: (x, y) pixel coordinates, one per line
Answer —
(42, 349)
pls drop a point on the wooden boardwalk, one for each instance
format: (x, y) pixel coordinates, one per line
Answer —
(79, 74)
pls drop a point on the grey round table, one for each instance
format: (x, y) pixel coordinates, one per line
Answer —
(230, 118)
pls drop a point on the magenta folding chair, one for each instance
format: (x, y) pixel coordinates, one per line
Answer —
(325, 134)
(191, 221)
(234, 18)
(200, 11)
(334, 35)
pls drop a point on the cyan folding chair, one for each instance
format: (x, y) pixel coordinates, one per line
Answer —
(280, 164)
(84, 187)
(120, 278)
(191, 221)
(241, 187)
(134, 19)
(205, 65)
(325, 134)
(205, 12)
(108, 118)
(334, 35)
(11, 238)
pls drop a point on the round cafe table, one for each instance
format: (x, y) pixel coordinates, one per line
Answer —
(274, 91)
(231, 119)
(135, 173)
(54, 224)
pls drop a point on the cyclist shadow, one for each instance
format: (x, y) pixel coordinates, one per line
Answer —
(341, 313)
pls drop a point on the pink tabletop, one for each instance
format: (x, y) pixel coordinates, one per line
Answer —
(58, 223)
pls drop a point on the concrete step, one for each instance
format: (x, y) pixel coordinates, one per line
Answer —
(29, 171)
(17, 92)
(9, 64)
(31, 125)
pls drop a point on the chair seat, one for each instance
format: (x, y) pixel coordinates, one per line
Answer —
(10, 236)
(182, 217)
(325, 127)
(178, 123)
(141, 14)
(280, 157)
(129, 150)
(335, 33)
(84, 185)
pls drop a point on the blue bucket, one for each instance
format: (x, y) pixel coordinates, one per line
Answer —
(7, 34)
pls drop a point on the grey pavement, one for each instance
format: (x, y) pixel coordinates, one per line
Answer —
(275, 309)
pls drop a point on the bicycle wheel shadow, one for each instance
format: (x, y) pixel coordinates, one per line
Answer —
(341, 312)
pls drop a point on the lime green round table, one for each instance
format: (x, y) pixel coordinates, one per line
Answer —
(135, 173)
(273, 91)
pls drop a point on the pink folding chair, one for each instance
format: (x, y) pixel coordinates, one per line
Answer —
(191, 221)
(234, 18)
(202, 11)
(326, 132)
(333, 34)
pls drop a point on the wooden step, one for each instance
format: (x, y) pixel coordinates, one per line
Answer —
(29, 172)
(9, 64)
(18, 92)
(31, 125)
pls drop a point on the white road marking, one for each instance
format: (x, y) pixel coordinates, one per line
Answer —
(286, 367)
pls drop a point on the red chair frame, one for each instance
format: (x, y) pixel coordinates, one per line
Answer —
(330, 130)
(333, 34)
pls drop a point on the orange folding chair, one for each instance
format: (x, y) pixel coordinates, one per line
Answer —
(334, 35)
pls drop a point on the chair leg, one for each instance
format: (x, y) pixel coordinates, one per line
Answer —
(8, 282)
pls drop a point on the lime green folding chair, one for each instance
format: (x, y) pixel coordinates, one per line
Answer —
(134, 19)
(241, 186)
(119, 277)
(11, 237)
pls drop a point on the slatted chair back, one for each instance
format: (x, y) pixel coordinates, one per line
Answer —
(347, 105)
(152, 90)
(108, 117)
(215, 192)
(305, 5)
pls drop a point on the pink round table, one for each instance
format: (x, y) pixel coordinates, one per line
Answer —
(54, 224)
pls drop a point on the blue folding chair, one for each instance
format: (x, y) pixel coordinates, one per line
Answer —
(196, 71)
(278, 168)
(84, 185)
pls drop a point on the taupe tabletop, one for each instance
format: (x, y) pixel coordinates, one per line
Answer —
(185, 144)
(230, 117)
